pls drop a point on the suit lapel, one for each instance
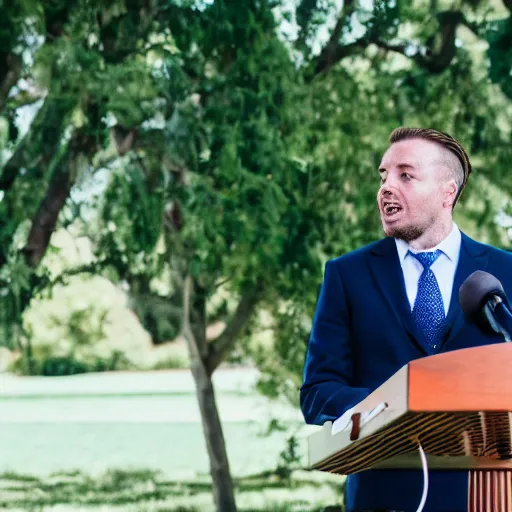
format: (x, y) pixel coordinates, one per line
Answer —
(473, 256)
(389, 280)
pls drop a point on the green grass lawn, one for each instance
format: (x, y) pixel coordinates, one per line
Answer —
(66, 445)
(147, 490)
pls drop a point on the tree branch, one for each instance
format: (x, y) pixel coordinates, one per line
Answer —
(196, 341)
(41, 143)
(333, 52)
(338, 54)
(10, 74)
(437, 61)
(400, 48)
(45, 220)
(434, 60)
(87, 268)
(223, 345)
(24, 98)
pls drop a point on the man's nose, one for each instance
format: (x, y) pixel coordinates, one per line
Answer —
(387, 189)
(390, 186)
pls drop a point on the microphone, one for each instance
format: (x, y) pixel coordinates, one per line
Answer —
(485, 303)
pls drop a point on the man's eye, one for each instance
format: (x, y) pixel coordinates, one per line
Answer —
(406, 176)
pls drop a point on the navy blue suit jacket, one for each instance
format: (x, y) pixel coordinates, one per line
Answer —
(363, 332)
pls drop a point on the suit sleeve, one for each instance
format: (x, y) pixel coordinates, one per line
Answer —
(327, 392)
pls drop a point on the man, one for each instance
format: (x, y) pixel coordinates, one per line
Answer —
(396, 300)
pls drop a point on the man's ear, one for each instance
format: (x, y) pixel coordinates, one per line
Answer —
(449, 193)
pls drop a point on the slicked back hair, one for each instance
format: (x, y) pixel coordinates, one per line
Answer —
(444, 140)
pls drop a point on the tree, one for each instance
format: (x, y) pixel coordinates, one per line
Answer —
(239, 158)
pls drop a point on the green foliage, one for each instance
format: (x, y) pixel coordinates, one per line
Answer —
(289, 459)
(227, 158)
(80, 331)
(59, 366)
(235, 155)
(499, 37)
(171, 363)
(131, 220)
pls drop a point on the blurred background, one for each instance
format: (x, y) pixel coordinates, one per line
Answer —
(174, 175)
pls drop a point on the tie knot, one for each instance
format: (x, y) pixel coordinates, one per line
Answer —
(426, 258)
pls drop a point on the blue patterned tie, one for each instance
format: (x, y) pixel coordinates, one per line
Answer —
(428, 310)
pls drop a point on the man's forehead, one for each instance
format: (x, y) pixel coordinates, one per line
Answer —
(410, 152)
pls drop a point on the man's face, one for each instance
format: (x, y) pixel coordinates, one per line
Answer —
(412, 195)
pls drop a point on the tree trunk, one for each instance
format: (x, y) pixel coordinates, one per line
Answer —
(194, 307)
(57, 193)
(215, 444)
(45, 220)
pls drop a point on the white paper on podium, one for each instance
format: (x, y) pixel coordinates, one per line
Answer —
(344, 422)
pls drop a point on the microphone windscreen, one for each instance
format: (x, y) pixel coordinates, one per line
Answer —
(476, 291)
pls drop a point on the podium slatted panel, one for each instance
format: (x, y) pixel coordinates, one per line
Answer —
(490, 491)
(447, 434)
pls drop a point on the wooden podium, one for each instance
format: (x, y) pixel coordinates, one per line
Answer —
(456, 405)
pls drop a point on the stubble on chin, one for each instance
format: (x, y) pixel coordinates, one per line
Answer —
(405, 233)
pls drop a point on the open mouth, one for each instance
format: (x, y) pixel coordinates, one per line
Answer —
(391, 209)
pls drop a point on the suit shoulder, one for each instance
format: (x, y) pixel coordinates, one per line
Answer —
(496, 253)
(500, 261)
(358, 254)
(502, 254)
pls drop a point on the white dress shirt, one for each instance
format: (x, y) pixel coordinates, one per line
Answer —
(444, 267)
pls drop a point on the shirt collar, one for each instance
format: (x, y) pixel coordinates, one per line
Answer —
(449, 246)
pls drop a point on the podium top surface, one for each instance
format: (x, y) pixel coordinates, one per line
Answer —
(471, 379)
